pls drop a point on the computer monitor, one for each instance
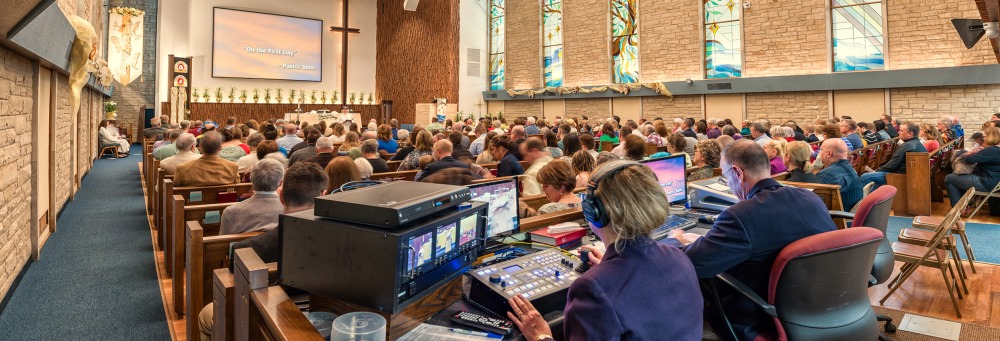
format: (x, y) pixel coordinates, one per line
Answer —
(502, 197)
(670, 173)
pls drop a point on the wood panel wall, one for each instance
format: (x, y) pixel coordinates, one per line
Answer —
(417, 54)
(243, 112)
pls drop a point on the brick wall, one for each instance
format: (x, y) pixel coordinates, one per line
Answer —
(670, 44)
(681, 106)
(593, 108)
(784, 106)
(920, 35)
(785, 38)
(514, 109)
(524, 44)
(972, 104)
(141, 92)
(587, 59)
(16, 103)
(63, 162)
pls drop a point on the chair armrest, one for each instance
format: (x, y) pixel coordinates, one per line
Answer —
(841, 214)
(744, 290)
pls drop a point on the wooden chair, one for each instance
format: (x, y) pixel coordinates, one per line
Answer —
(930, 255)
(106, 149)
(205, 254)
(829, 194)
(780, 176)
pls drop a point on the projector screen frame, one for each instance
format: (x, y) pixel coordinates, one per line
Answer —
(321, 45)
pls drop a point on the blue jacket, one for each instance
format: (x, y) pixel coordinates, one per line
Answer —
(852, 189)
(646, 291)
(748, 236)
(509, 166)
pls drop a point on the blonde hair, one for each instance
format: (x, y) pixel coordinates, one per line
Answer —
(778, 145)
(991, 136)
(799, 153)
(620, 191)
(424, 141)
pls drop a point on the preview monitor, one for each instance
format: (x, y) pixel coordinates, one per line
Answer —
(468, 229)
(502, 197)
(420, 247)
(266, 46)
(671, 175)
(447, 239)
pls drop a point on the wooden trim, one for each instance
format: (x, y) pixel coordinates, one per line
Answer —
(250, 273)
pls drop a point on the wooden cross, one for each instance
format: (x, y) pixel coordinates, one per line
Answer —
(344, 30)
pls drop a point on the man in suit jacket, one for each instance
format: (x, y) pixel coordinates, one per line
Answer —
(444, 160)
(747, 236)
(302, 183)
(155, 132)
(209, 169)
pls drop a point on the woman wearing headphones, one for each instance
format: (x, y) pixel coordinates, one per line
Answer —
(639, 289)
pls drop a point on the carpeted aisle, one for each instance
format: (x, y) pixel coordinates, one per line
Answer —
(96, 279)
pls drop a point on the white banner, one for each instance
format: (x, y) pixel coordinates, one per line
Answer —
(125, 44)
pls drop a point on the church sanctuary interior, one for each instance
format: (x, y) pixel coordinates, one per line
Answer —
(480, 170)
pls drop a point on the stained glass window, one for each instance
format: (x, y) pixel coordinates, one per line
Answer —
(552, 41)
(723, 47)
(624, 41)
(498, 29)
(857, 35)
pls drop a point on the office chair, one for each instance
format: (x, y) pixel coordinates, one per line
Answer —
(819, 288)
(873, 211)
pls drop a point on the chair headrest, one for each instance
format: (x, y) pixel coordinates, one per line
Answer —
(823, 242)
(865, 206)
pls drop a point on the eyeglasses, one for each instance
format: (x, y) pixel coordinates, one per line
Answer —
(722, 179)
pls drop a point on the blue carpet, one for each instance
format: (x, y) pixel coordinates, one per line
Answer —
(96, 279)
(981, 236)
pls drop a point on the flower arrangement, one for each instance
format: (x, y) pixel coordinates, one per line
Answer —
(370, 98)
(291, 96)
(195, 94)
(353, 98)
(361, 99)
(256, 95)
(218, 95)
(243, 95)
(312, 97)
(335, 97)
(278, 98)
(267, 95)
(458, 116)
(232, 94)
(323, 98)
(110, 108)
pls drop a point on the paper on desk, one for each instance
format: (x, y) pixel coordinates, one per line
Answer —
(719, 187)
(432, 332)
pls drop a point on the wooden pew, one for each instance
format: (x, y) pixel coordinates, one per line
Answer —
(223, 299)
(394, 176)
(261, 312)
(393, 165)
(780, 176)
(606, 146)
(941, 160)
(650, 149)
(913, 190)
(209, 195)
(175, 256)
(830, 194)
(205, 254)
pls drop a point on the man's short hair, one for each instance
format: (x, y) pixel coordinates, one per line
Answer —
(455, 138)
(851, 126)
(174, 134)
(534, 143)
(185, 124)
(689, 122)
(230, 121)
(369, 146)
(255, 139)
(587, 141)
(324, 143)
(266, 175)
(443, 146)
(304, 181)
(211, 142)
(749, 156)
(291, 128)
(185, 141)
(913, 128)
(760, 128)
(155, 121)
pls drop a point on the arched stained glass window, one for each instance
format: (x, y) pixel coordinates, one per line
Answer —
(498, 30)
(624, 41)
(858, 43)
(552, 41)
(723, 46)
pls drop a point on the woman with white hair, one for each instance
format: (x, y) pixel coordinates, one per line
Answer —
(365, 169)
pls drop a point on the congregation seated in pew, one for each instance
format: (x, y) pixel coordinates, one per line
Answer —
(369, 150)
(260, 212)
(209, 169)
(186, 151)
(908, 132)
(796, 158)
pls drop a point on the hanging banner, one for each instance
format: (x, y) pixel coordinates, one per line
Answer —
(125, 43)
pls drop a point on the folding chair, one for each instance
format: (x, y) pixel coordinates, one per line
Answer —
(930, 255)
(987, 195)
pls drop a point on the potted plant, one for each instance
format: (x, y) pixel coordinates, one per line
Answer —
(218, 95)
(232, 94)
(267, 95)
(322, 99)
(195, 95)
(256, 95)
(110, 110)
(278, 98)
(243, 95)
(353, 98)
(361, 99)
(335, 97)
(370, 99)
(291, 96)
(312, 97)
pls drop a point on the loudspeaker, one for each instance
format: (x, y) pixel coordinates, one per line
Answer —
(970, 30)
(410, 5)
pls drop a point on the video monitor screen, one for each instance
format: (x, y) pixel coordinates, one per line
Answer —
(421, 248)
(266, 46)
(671, 176)
(467, 230)
(446, 239)
(502, 198)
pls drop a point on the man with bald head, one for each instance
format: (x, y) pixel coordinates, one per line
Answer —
(517, 135)
(746, 237)
(290, 139)
(442, 160)
(834, 154)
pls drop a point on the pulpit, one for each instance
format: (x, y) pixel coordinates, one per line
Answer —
(425, 111)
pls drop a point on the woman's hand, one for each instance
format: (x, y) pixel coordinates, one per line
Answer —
(595, 254)
(527, 319)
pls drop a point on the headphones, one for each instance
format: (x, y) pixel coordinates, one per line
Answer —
(593, 208)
